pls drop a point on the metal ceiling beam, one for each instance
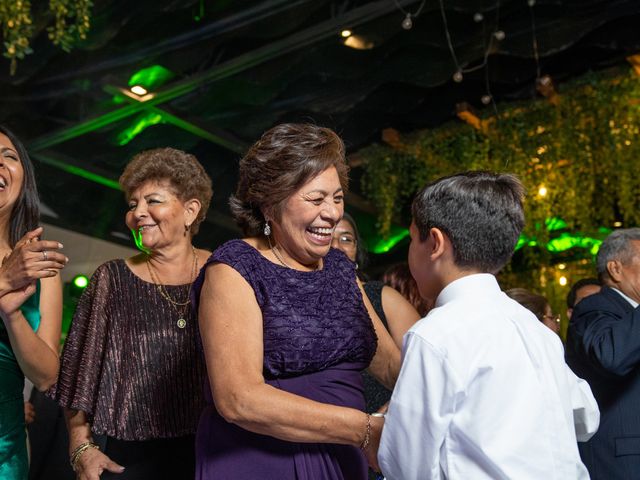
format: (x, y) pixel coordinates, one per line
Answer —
(197, 128)
(294, 42)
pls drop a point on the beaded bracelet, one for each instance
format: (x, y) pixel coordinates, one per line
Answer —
(74, 458)
(367, 434)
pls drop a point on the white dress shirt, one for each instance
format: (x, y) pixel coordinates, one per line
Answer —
(484, 393)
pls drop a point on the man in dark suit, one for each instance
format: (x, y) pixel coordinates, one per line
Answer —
(603, 347)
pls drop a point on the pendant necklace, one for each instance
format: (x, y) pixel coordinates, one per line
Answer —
(181, 307)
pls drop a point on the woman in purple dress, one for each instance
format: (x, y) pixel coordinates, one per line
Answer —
(285, 326)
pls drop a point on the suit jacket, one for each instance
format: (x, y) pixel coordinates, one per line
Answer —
(603, 347)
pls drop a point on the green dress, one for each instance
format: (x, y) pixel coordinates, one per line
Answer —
(14, 464)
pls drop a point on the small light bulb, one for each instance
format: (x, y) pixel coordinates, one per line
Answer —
(457, 77)
(542, 191)
(562, 280)
(486, 99)
(562, 266)
(499, 34)
(478, 17)
(407, 23)
(139, 90)
(617, 224)
(345, 33)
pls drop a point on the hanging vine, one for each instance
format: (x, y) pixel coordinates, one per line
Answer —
(584, 151)
(71, 23)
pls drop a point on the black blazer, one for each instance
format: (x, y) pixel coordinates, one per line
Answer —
(603, 347)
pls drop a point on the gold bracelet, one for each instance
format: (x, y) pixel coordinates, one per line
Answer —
(367, 434)
(74, 458)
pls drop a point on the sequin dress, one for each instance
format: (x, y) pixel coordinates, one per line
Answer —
(127, 365)
(14, 463)
(317, 338)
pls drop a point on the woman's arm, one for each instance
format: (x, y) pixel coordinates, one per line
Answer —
(37, 352)
(231, 329)
(399, 312)
(385, 365)
(91, 462)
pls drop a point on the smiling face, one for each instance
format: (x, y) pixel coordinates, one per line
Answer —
(11, 174)
(304, 229)
(344, 238)
(158, 215)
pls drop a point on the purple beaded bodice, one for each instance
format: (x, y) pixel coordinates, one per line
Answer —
(312, 320)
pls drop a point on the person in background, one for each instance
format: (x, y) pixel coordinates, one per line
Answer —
(131, 369)
(30, 302)
(537, 304)
(484, 392)
(399, 278)
(395, 312)
(579, 290)
(603, 347)
(285, 326)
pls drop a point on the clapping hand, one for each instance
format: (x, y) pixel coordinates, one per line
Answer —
(30, 260)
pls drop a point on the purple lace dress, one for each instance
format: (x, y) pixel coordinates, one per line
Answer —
(317, 338)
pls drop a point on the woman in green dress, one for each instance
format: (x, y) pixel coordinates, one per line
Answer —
(28, 343)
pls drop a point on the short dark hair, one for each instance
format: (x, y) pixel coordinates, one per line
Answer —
(186, 176)
(573, 291)
(284, 159)
(480, 212)
(617, 246)
(25, 215)
(529, 300)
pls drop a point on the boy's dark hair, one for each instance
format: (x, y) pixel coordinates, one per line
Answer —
(573, 292)
(480, 212)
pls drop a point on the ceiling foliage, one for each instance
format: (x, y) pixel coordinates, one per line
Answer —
(216, 74)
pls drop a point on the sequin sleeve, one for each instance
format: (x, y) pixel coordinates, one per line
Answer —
(82, 357)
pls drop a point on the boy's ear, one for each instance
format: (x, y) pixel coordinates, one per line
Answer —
(438, 242)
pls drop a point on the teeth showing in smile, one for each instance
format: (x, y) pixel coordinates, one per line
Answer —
(322, 232)
(144, 227)
(3, 182)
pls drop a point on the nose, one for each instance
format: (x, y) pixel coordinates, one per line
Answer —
(140, 211)
(333, 212)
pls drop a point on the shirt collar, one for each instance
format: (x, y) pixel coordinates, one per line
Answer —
(633, 303)
(483, 283)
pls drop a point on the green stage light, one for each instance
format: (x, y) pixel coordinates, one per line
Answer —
(151, 77)
(80, 281)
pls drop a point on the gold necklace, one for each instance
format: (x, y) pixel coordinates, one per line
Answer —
(181, 308)
(278, 255)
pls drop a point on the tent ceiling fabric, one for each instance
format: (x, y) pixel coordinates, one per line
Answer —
(236, 68)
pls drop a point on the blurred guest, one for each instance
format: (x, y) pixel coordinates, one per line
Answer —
(399, 278)
(30, 302)
(603, 347)
(285, 326)
(131, 369)
(538, 305)
(396, 314)
(579, 290)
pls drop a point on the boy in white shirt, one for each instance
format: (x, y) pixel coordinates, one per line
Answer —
(484, 391)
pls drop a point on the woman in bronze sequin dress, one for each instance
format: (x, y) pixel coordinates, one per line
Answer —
(131, 369)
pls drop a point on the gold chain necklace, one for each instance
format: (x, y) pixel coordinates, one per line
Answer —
(278, 255)
(181, 308)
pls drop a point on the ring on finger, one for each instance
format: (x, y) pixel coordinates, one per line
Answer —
(44, 255)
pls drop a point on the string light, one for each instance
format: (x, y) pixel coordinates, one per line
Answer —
(345, 33)
(542, 191)
(562, 280)
(407, 22)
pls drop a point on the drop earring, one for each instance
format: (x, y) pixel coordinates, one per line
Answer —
(267, 228)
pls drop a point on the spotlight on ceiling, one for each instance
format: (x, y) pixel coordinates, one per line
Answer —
(358, 42)
(139, 90)
(345, 33)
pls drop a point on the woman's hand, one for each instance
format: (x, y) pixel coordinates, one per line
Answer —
(11, 302)
(93, 462)
(30, 259)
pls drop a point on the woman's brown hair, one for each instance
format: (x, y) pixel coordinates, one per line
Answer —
(284, 159)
